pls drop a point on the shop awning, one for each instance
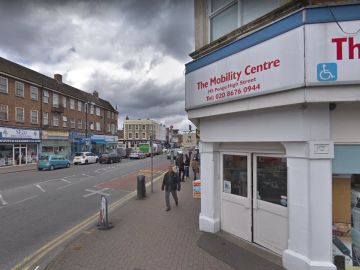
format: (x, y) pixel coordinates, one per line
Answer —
(346, 159)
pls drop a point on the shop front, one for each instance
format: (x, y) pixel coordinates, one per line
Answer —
(78, 142)
(18, 146)
(55, 142)
(272, 108)
(103, 143)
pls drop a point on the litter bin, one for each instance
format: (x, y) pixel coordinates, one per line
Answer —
(339, 262)
(141, 191)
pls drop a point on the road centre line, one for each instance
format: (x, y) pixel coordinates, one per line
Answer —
(39, 187)
(3, 202)
(65, 180)
(34, 258)
(26, 199)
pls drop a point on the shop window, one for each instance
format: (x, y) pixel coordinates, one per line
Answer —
(235, 175)
(79, 125)
(79, 106)
(6, 155)
(19, 114)
(34, 117)
(55, 120)
(72, 122)
(98, 126)
(55, 101)
(98, 111)
(72, 104)
(3, 85)
(64, 101)
(45, 118)
(32, 155)
(34, 93)
(272, 180)
(19, 89)
(4, 112)
(64, 121)
(46, 96)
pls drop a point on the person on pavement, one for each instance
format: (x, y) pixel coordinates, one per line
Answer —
(187, 165)
(170, 184)
(181, 167)
(195, 165)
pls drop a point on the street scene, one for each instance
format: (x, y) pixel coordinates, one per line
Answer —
(195, 134)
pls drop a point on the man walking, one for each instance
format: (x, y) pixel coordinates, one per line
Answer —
(171, 183)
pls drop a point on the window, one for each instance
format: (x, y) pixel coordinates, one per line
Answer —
(64, 121)
(45, 118)
(143, 127)
(130, 127)
(79, 124)
(235, 175)
(79, 106)
(144, 135)
(34, 93)
(112, 129)
(91, 109)
(19, 114)
(72, 122)
(55, 120)
(98, 111)
(72, 104)
(3, 85)
(112, 115)
(136, 135)
(34, 117)
(108, 114)
(92, 125)
(98, 126)
(130, 135)
(150, 127)
(46, 96)
(55, 102)
(108, 128)
(136, 127)
(4, 112)
(64, 102)
(19, 89)
(227, 15)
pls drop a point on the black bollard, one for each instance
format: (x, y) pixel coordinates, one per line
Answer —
(141, 190)
(339, 261)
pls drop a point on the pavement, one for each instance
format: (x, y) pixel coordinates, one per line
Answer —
(147, 237)
(19, 168)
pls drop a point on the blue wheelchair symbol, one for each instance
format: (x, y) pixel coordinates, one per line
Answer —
(327, 72)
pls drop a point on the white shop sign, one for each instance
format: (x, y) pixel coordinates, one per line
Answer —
(274, 65)
(332, 57)
(19, 133)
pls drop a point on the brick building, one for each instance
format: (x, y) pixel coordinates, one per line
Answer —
(42, 114)
(274, 88)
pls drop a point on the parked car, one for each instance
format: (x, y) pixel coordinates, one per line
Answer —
(85, 158)
(51, 162)
(109, 158)
(136, 154)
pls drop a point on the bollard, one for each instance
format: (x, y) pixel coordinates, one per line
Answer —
(104, 223)
(141, 190)
(339, 261)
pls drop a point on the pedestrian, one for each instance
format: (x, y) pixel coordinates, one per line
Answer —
(195, 167)
(181, 167)
(171, 184)
(187, 165)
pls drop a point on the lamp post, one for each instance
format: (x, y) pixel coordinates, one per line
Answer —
(152, 162)
(86, 124)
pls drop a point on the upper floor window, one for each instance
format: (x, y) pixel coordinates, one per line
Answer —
(130, 135)
(98, 126)
(108, 128)
(79, 106)
(144, 135)
(19, 89)
(72, 122)
(143, 127)
(55, 120)
(45, 118)
(108, 114)
(227, 15)
(91, 109)
(19, 114)
(112, 115)
(130, 127)
(64, 102)
(72, 104)
(136, 127)
(34, 117)
(34, 93)
(92, 125)
(4, 113)
(64, 121)
(46, 96)
(79, 124)
(55, 102)
(112, 128)
(3, 84)
(98, 112)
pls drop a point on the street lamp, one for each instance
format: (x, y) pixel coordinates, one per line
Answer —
(152, 161)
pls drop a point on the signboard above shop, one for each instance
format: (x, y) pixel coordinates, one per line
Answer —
(19, 134)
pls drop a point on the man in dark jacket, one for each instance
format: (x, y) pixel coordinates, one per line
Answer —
(170, 183)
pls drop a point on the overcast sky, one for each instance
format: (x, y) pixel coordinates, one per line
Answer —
(131, 51)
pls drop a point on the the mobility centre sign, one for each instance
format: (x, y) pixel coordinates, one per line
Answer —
(274, 65)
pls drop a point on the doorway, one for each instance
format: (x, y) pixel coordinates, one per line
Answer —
(20, 154)
(254, 198)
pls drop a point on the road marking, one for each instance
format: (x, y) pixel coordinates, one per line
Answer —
(34, 258)
(39, 187)
(3, 202)
(94, 192)
(26, 199)
(65, 180)
(84, 174)
(68, 185)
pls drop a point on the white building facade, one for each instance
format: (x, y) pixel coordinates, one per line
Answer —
(278, 113)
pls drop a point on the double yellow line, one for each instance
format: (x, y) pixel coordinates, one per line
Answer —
(30, 261)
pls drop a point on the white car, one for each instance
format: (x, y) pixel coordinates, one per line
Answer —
(85, 158)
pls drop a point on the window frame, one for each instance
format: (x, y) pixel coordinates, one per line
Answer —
(72, 122)
(31, 117)
(98, 126)
(55, 104)
(7, 112)
(64, 121)
(79, 104)
(98, 111)
(53, 120)
(23, 114)
(17, 83)
(72, 104)
(91, 108)
(46, 96)
(79, 124)
(7, 85)
(32, 88)
(64, 101)
(47, 118)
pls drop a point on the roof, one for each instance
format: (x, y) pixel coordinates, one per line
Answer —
(21, 72)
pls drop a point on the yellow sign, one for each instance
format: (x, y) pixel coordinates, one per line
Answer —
(54, 133)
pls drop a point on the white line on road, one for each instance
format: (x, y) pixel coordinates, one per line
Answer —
(65, 180)
(94, 192)
(68, 185)
(84, 174)
(26, 199)
(2, 200)
(39, 187)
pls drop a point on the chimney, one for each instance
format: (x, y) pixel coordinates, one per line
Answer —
(58, 78)
(96, 94)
